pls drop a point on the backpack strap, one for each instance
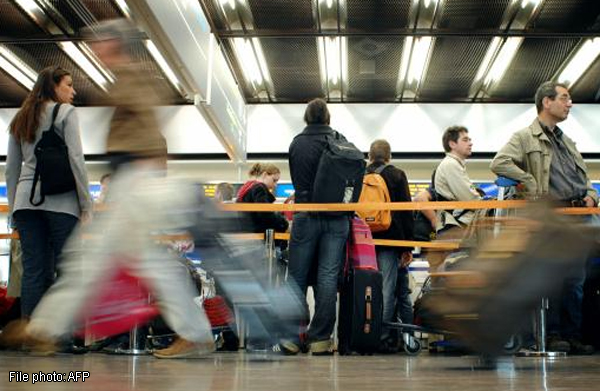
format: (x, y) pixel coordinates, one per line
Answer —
(380, 169)
(36, 175)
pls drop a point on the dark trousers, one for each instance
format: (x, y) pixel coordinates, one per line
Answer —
(320, 241)
(43, 235)
(565, 312)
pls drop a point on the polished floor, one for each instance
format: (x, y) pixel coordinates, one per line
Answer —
(241, 371)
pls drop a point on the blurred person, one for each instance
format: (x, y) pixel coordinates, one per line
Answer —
(104, 183)
(260, 190)
(451, 182)
(143, 202)
(317, 240)
(547, 163)
(44, 229)
(224, 192)
(393, 261)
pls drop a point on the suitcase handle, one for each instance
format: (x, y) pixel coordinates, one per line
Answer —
(368, 310)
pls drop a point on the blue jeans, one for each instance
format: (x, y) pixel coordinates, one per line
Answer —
(404, 304)
(387, 261)
(43, 235)
(318, 241)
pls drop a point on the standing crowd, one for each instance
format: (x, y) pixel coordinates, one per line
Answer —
(541, 157)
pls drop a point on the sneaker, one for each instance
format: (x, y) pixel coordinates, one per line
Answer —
(182, 348)
(289, 348)
(555, 344)
(321, 348)
(579, 348)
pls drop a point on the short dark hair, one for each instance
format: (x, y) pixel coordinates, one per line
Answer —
(317, 112)
(452, 134)
(546, 89)
(380, 151)
(105, 177)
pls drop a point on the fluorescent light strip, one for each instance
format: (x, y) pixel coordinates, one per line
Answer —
(333, 60)
(16, 61)
(332, 53)
(89, 53)
(418, 59)
(344, 60)
(581, 61)
(84, 63)
(322, 59)
(262, 62)
(17, 69)
(30, 6)
(250, 66)
(525, 3)
(231, 3)
(489, 56)
(404, 63)
(503, 60)
(162, 63)
(124, 8)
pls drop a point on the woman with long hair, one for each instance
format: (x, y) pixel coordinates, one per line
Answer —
(260, 190)
(44, 228)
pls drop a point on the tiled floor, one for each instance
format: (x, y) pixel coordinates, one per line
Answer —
(240, 371)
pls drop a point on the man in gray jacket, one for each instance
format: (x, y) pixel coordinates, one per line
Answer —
(547, 163)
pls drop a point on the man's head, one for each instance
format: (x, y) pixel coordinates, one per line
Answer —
(380, 152)
(317, 113)
(553, 102)
(457, 141)
(112, 41)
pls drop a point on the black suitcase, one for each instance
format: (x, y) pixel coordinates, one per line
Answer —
(361, 312)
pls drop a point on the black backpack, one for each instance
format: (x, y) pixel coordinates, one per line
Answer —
(53, 168)
(340, 173)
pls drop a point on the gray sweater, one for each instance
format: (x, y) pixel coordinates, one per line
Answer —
(21, 162)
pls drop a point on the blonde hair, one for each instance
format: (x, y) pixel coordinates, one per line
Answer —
(259, 168)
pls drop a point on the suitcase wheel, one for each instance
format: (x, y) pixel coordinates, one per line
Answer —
(412, 346)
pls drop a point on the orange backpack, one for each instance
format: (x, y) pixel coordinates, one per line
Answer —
(375, 190)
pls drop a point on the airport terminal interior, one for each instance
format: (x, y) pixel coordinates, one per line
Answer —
(195, 106)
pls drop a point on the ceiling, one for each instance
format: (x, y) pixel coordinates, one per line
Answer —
(462, 31)
(374, 34)
(35, 39)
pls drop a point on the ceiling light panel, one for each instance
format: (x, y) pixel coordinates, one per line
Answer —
(84, 63)
(333, 62)
(16, 68)
(502, 61)
(580, 62)
(162, 63)
(252, 61)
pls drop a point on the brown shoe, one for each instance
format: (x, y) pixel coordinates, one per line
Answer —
(40, 347)
(182, 348)
(14, 335)
(321, 348)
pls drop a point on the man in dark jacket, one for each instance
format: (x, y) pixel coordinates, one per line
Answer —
(317, 240)
(393, 261)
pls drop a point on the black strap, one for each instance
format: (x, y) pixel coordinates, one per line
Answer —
(378, 170)
(36, 175)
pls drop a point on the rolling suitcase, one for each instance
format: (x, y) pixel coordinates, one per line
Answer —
(361, 297)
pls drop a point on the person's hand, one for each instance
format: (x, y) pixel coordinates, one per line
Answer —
(85, 218)
(406, 258)
(589, 201)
